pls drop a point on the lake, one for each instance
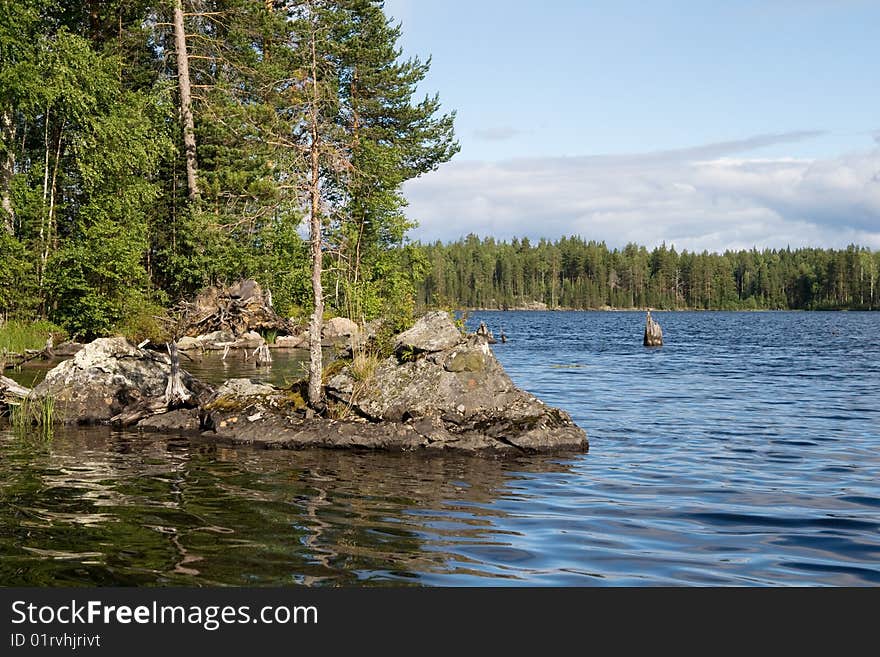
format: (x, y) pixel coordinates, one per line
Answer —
(746, 451)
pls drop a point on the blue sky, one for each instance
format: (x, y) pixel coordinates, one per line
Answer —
(753, 122)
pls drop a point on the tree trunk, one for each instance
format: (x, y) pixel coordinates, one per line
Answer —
(316, 366)
(7, 168)
(176, 394)
(186, 115)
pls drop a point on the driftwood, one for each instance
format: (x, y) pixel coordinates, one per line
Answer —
(138, 410)
(11, 393)
(177, 395)
(262, 356)
(239, 308)
(33, 354)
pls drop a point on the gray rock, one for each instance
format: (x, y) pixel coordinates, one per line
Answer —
(291, 342)
(216, 340)
(250, 340)
(460, 398)
(244, 388)
(107, 376)
(187, 343)
(338, 328)
(67, 348)
(184, 420)
(453, 396)
(433, 332)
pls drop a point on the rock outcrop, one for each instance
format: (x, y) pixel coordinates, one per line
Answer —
(107, 377)
(653, 332)
(457, 396)
(433, 332)
(441, 390)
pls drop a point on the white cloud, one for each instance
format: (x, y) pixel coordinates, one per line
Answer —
(696, 198)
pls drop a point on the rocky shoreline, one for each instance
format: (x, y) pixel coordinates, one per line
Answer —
(437, 390)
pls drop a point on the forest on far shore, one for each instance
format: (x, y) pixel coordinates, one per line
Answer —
(579, 274)
(151, 148)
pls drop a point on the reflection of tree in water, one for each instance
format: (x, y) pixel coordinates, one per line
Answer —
(129, 509)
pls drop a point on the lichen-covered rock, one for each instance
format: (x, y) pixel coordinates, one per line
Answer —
(107, 376)
(291, 342)
(339, 328)
(237, 396)
(433, 332)
(459, 398)
(184, 420)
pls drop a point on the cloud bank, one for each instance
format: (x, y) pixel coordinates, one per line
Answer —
(709, 197)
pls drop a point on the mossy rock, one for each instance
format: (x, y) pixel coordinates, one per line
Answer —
(468, 361)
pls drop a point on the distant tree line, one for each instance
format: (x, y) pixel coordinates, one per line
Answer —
(576, 273)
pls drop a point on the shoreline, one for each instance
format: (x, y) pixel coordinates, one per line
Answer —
(671, 310)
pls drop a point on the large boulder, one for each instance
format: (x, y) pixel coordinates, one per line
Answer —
(339, 328)
(459, 397)
(433, 332)
(107, 376)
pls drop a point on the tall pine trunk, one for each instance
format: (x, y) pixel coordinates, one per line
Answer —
(186, 115)
(7, 168)
(316, 366)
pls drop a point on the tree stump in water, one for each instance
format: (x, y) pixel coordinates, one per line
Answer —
(484, 331)
(176, 394)
(653, 332)
(262, 356)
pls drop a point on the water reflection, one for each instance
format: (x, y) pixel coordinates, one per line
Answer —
(120, 508)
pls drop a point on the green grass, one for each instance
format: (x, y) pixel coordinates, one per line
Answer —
(16, 337)
(33, 414)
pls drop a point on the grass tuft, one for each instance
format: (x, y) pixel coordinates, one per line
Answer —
(32, 413)
(17, 337)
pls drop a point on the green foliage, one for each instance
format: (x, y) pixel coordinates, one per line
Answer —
(17, 336)
(92, 162)
(140, 321)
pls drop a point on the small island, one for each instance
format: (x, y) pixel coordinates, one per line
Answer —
(431, 388)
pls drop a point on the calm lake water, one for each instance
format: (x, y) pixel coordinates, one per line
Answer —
(744, 452)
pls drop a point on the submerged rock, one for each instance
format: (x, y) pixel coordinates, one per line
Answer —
(107, 376)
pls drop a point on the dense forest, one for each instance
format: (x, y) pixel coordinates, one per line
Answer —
(575, 273)
(150, 148)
